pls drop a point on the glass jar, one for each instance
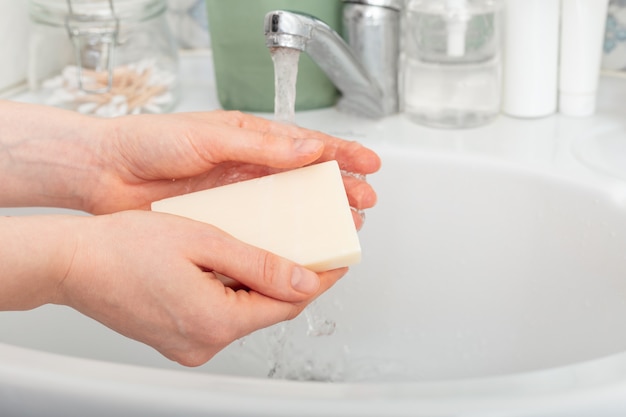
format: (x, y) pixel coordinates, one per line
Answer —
(452, 62)
(103, 57)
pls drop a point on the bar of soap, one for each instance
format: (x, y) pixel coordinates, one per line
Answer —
(302, 215)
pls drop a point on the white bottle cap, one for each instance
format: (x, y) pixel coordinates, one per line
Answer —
(579, 105)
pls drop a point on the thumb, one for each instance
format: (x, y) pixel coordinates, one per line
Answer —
(255, 268)
(258, 269)
(275, 277)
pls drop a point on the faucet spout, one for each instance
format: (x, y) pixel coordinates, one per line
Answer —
(288, 30)
(363, 91)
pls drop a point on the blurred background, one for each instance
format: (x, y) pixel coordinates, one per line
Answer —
(189, 25)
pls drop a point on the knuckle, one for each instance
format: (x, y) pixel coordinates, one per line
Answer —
(236, 117)
(269, 266)
(268, 140)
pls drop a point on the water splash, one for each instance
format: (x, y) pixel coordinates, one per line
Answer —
(318, 323)
(289, 359)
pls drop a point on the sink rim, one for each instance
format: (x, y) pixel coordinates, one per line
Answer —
(110, 381)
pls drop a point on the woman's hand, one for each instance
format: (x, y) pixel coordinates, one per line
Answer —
(154, 278)
(147, 158)
(58, 158)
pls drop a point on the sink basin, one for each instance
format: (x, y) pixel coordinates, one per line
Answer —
(486, 289)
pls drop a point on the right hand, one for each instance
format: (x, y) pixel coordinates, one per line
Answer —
(151, 276)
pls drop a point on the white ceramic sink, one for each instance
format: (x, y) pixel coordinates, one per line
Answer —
(493, 284)
(484, 287)
(471, 269)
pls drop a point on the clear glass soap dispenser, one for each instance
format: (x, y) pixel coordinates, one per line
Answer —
(452, 66)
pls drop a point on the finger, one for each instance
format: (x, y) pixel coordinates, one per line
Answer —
(361, 195)
(252, 139)
(262, 148)
(229, 282)
(358, 216)
(259, 270)
(237, 118)
(260, 124)
(256, 311)
(352, 156)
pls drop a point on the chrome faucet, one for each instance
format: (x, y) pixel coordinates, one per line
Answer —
(365, 69)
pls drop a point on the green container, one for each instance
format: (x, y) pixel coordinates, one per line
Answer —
(244, 70)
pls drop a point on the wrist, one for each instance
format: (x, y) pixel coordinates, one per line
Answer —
(37, 259)
(48, 156)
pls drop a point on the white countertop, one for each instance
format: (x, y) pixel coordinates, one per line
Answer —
(556, 144)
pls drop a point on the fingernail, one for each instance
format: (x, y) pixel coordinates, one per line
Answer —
(304, 281)
(307, 146)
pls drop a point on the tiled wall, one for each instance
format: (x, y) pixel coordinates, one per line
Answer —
(189, 22)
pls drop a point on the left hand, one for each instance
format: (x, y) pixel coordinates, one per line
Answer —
(147, 158)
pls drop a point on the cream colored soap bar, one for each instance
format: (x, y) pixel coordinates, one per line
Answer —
(302, 215)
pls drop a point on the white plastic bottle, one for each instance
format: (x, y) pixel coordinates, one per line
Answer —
(582, 33)
(530, 57)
